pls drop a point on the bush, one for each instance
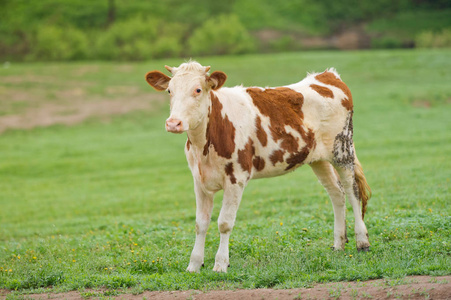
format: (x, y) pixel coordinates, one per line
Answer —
(386, 43)
(138, 39)
(221, 35)
(167, 46)
(429, 39)
(285, 43)
(305, 16)
(169, 42)
(56, 43)
(130, 39)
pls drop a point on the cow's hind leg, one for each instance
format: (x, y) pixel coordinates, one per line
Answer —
(204, 207)
(328, 177)
(226, 221)
(351, 187)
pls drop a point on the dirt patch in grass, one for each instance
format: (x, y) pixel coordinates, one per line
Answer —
(31, 101)
(69, 114)
(412, 287)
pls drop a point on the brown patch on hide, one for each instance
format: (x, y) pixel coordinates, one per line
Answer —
(289, 142)
(220, 131)
(322, 90)
(283, 106)
(331, 79)
(188, 144)
(259, 163)
(200, 171)
(245, 156)
(261, 133)
(299, 156)
(276, 156)
(347, 103)
(229, 172)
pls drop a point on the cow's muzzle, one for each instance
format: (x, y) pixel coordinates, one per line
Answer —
(174, 125)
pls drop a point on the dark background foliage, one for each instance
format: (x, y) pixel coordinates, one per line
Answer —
(138, 30)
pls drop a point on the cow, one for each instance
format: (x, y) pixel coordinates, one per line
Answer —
(236, 134)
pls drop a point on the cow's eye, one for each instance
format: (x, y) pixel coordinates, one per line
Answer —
(198, 91)
(169, 91)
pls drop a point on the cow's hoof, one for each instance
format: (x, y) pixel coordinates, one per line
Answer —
(364, 249)
(335, 248)
(193, 268)
(220, 268)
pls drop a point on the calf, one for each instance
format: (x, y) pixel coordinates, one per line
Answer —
(238, 134)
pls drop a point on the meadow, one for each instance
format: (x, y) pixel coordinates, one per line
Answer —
(108, 203)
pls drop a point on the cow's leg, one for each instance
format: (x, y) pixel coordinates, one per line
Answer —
(347, 177)
(204, 207)
(328, 177)
(226, 221)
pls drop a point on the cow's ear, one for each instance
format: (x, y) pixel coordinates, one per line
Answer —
(158, 80)
(216, 79)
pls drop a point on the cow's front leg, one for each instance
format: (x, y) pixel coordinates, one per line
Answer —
(204, 207)
(226, 221)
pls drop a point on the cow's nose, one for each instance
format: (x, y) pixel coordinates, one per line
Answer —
(174, 125)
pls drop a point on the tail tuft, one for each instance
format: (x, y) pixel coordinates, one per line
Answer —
(364, 188)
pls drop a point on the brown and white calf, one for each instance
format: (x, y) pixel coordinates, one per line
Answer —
(238, 134)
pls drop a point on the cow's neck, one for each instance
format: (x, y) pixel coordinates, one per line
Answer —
(197, 136)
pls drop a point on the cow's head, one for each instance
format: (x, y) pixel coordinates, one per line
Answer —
(189, 89)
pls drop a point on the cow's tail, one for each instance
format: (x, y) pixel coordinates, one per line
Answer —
(362, 184)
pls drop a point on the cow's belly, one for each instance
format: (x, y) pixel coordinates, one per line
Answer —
(281, 167)
(272, 172)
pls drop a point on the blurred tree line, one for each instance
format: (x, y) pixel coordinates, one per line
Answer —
(138, 30)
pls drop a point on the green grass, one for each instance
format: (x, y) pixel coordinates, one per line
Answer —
(111, 204)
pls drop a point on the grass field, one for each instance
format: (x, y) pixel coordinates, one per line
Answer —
(109, 202)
